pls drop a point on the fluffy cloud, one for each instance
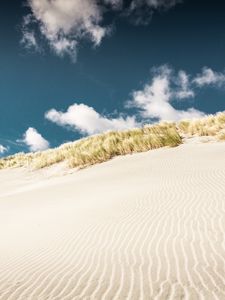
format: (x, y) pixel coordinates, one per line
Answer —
(34, 140)
(85, 119)
(185, 90)
(3, 149)
(64, 23)
(154, 100)
(209, 77)
(28, 38)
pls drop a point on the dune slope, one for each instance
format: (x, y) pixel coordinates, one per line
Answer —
(146, 226)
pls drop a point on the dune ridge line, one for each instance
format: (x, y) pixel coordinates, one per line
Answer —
(102, 147)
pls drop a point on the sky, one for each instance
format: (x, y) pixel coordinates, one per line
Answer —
(72, 68)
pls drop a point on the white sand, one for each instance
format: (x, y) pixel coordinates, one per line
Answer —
(146, 226)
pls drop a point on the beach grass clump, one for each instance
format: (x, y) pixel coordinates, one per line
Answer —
(17, 160)
(103, 147)
(211, 125)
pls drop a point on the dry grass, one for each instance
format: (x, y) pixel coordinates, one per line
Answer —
(99, 148)
(102, 147)
(212, 125)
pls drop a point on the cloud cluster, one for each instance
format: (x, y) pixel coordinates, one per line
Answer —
(3, 149)
(34, 140)
(86, 120)
(64, 23)
(154, 100)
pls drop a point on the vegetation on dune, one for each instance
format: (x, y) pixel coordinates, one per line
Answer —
(102, 147)
(106, 146)
(99, 148)
(212, 125)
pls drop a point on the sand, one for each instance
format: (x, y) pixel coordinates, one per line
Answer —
(146, 226)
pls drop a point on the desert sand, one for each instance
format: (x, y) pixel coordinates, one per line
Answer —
(143, 226)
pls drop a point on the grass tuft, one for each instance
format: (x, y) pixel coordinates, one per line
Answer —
(211, 125)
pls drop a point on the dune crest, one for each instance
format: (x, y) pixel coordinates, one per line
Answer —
(103, 147)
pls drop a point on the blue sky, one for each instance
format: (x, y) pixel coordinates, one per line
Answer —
(73, 68)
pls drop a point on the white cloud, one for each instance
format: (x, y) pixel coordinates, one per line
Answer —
(86, 120)
(64, 23)
(29, 40)
(154, 100)
(184, 90)
(209, 77)
(34, 140)
(3, 149)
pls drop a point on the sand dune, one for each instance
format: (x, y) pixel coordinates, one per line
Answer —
(146, 226)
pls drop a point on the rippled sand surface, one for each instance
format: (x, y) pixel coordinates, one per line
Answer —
(146, 226)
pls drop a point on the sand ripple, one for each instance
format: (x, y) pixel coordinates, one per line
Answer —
(147, 226)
